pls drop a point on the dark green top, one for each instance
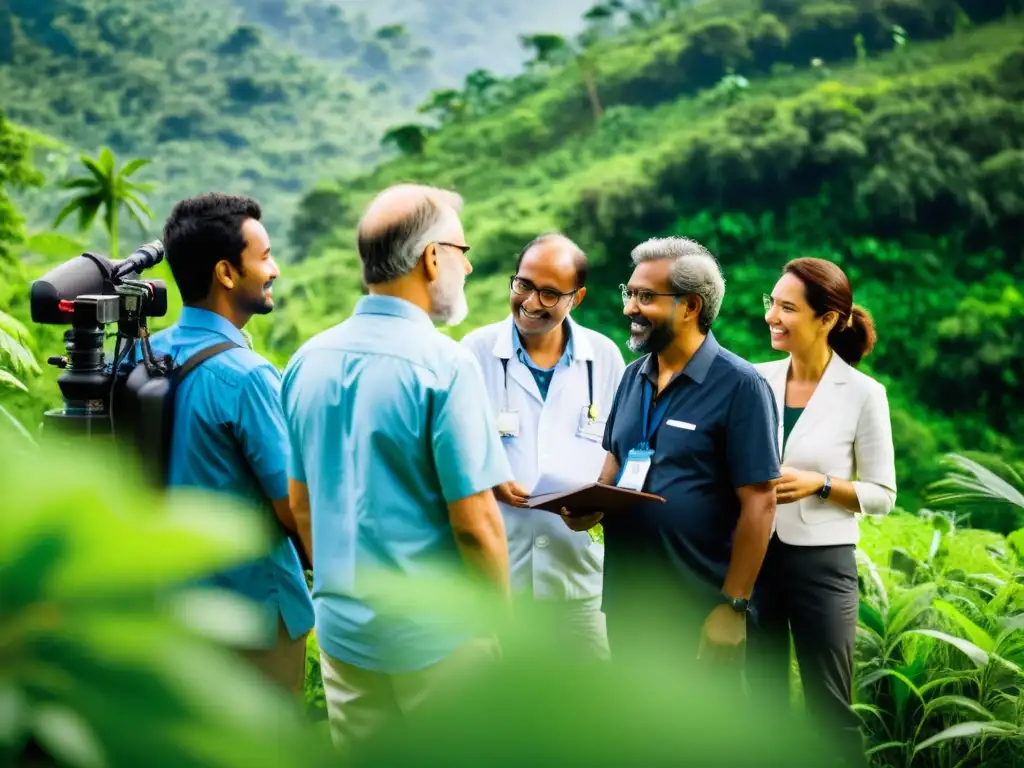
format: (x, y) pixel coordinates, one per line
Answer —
(789, 417)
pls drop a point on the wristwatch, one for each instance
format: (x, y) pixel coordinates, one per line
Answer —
(738, 604)
(826, 489)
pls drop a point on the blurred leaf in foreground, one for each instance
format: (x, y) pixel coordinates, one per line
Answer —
(108, 656)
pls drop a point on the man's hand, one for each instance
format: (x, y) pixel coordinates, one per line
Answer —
(723, 635)
(582, 522)
(511, 493)
(796, 484)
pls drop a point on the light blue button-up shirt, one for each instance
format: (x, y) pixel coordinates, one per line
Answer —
(389, 423)
(542, 376)
(229, 436)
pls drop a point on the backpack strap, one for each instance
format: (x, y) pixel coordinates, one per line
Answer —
(201, 357)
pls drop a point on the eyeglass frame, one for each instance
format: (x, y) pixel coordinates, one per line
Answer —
(534, 289)
(464, 248)
(629, 294)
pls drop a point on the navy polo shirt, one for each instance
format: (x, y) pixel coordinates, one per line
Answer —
(718, 433)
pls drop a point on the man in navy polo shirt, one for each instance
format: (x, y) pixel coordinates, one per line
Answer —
(694, 424)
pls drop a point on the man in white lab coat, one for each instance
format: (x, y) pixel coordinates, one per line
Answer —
(551, 383)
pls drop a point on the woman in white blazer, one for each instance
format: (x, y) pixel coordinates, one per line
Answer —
(837, 454)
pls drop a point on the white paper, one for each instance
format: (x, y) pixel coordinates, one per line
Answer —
(550, 483)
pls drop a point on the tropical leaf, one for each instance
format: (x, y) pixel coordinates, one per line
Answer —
(968, 482)
(967, 730)
(973, 652)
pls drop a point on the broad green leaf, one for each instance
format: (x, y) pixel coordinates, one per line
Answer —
(870, 618)
(975, 634)
(887, 745)
(969, 730)
(223, 617)
(10, 380)
(973, 652)
(957, 702)
(914, 602)
(67, 736)
(133, 165)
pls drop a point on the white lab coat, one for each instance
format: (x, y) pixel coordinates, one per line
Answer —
(545, 557)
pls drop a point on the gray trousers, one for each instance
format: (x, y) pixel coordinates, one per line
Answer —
(813, 593)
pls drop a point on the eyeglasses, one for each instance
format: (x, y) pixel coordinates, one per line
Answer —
(643, 297)
(548, 297)
(463, 248)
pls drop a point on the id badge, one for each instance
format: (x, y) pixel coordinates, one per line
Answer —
(634, 474)
(590, 427)
(508, 423)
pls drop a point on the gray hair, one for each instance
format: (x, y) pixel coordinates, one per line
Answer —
(694, 271)
(392, 240)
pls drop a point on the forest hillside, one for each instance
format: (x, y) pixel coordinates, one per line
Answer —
(888, 137)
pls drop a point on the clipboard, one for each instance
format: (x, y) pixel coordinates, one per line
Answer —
(590, 498)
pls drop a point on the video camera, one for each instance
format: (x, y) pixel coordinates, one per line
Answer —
(88, 293)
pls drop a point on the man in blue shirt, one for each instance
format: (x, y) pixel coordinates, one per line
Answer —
(394, 455)
(229, 434)
(697, 425)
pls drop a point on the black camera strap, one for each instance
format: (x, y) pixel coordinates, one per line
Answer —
(201, 357)
(184, 370)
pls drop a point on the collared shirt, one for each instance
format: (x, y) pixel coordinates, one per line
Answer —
(229, 437)
(389, 424)
(547, 559)
(719, 433)
(543, 376)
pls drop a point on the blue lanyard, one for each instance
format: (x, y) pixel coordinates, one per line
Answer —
(648, 418)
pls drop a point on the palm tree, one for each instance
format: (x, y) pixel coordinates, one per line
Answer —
(107, 188)
(973, 484)
(15, 362)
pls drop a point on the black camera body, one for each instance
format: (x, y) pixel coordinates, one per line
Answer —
(89, 293)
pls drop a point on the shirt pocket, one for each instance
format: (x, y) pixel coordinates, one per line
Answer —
(682, 442)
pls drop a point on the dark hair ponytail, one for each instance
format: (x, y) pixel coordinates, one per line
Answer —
(856, 338)
(828, 290)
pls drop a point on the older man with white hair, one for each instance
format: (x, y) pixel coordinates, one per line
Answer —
(694, 424)
(393, 458)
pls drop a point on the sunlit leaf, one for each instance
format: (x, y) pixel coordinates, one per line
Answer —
(968, 730)
(973, 652)
(975, 634)
(67, 736)
(957, 702)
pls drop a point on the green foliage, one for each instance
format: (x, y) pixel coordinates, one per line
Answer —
(109, 189)
(939, 647)
(233, 104)
(106, 656)
(908, 179)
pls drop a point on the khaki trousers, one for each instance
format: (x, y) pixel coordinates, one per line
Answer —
(285, 663)
(360, 702)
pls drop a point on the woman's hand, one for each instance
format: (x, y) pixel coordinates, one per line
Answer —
(796, 484)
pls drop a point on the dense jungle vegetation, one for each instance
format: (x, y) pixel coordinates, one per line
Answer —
(887, 135)
(261, 96)
(785, 130)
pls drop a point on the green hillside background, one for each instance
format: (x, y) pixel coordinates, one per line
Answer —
(886, 135)
(883, 135)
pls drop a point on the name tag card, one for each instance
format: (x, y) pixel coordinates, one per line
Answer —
(634, 474)
(508, 423)
(590, 429)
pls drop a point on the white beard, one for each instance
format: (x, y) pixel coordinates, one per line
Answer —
(448, 294)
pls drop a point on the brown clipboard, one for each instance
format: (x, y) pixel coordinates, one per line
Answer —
(590, 498)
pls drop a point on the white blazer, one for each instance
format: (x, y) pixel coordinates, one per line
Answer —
(545, 557)
(843, 432)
